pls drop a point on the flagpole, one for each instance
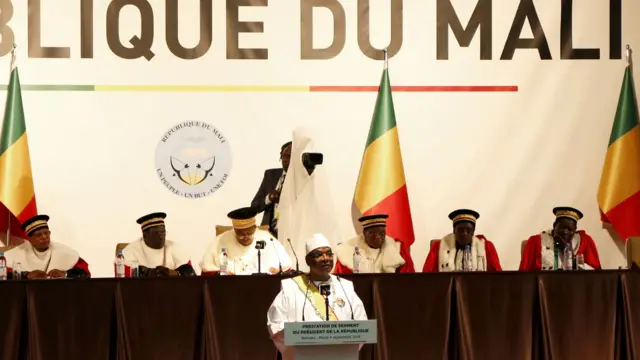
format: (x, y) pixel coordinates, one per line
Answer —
(629, 58)
(13, 61)
(385, 53)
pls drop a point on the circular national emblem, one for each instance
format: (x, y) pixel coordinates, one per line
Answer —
(193, 159)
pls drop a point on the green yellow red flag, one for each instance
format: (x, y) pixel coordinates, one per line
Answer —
(17, 195)
(619, 191)
(381, 186)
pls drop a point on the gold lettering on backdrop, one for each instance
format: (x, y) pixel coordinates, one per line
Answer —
(307, 51)
(36, 50)
(141, 44)
(86, 29)
(235, 27)
(480, 19)
(172, 33)
(6, 33)
(364, 29)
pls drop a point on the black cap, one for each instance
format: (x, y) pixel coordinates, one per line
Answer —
(567, 212)
(464, 215)
(243, 218)
(371, 221)
(152, 220)
(35, 223)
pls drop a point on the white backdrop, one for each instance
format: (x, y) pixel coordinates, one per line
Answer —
(511, 156)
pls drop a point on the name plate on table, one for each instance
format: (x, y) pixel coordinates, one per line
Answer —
(331, 332)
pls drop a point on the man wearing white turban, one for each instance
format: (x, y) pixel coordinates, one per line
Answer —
(300, 299)
(306, 206)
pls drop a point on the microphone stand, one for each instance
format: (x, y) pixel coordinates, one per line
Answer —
(259, 272)
(260, 247)
(326, 306)
(297, 271)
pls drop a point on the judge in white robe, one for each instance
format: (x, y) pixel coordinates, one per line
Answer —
(306, 205)
(39, 257)
(300, 300)
(240, 243)
(153, 253)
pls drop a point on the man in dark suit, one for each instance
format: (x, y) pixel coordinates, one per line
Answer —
(268, 195)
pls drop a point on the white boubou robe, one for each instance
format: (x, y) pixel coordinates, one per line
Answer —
(56, 257)
(387, 259)
(452, 259)
(299, 296)
(243, 260)
(170, 256)
(548, 246)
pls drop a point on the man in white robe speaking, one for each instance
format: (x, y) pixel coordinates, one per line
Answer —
(41, 258)
(156, 256)
(241, 244)
(306, 206)
(300, 299)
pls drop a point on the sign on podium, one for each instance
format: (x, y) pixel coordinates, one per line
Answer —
(329, 340)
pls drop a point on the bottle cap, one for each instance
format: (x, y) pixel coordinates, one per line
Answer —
(224, 249)
(119, 251)
(357, 248)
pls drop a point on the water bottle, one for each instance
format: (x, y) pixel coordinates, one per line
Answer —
(224, 262)
(356, 260)
(466, 259)
(3, 266)
(119, 264)
(567, 261)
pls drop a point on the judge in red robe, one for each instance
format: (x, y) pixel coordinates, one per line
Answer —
(41, 258)
(379, 253)
(544, 251)
(446, 255)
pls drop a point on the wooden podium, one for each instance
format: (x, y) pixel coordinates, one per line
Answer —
(329, 340)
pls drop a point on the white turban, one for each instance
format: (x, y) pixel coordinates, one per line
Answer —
(317, 241)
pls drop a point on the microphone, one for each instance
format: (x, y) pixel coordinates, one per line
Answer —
(346, 296)
(306, 294)
(277, 255)
(296, 256)
(325, 290)
(260, 244)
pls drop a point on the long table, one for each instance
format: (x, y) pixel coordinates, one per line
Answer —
(471, 316)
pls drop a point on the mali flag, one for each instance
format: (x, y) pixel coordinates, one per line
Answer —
(17, 197)
(619, 191)
(381, 187)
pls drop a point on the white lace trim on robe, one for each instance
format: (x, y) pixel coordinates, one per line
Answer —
(547, 246)
(246, 256)
(449, 259)
(386, 259)
(172, 255)
(57, 257)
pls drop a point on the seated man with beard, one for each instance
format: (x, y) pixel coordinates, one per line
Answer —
(544, 251)
(446, 255)
(240, 243)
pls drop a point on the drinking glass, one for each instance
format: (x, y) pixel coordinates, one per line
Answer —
(17, 271)
(580, 261)
(135, 269)
(481, 263)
